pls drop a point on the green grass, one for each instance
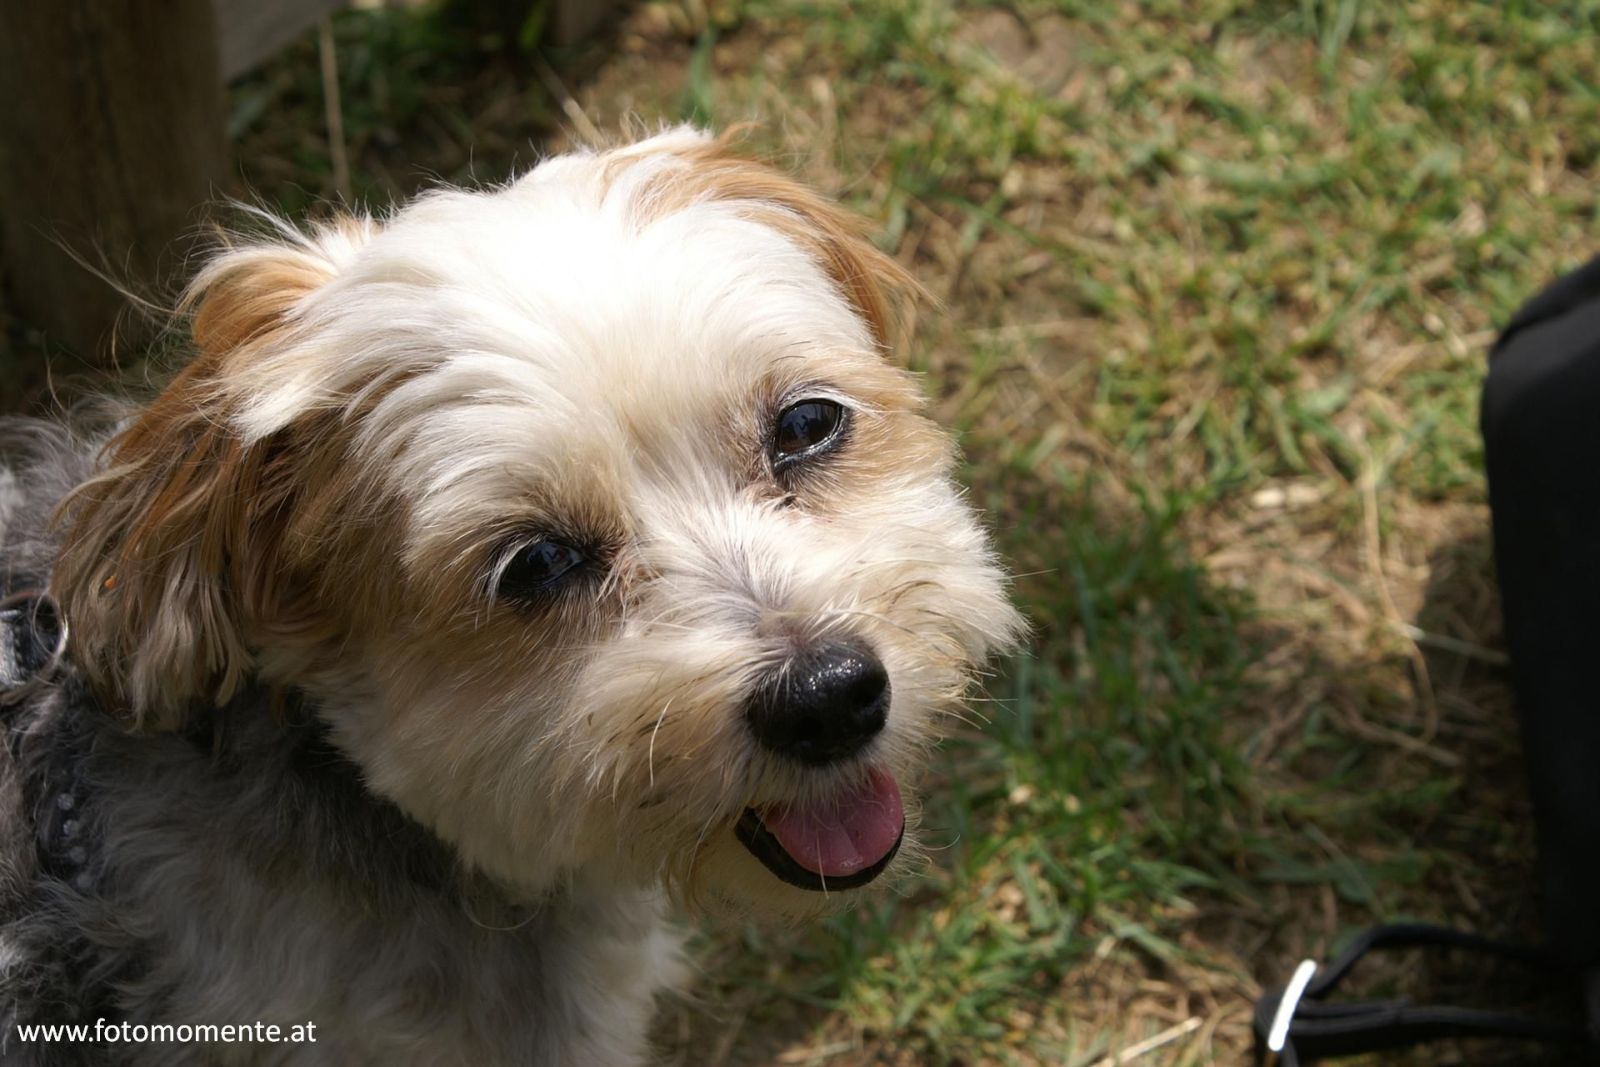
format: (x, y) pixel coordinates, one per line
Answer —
(1191, 252)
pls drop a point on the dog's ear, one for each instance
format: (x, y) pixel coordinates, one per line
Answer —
(171, 551)
(874, 283)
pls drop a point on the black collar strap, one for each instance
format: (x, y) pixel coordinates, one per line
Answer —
(1295, 1026)
(33, 636)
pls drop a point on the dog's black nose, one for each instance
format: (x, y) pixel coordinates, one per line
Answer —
(826, 703)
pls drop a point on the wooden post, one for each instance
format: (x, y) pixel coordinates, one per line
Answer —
(111, 138)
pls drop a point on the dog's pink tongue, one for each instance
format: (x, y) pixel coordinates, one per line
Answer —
(842, 835)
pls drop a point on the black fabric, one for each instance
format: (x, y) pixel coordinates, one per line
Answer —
(1567, 293)
(1541, 429)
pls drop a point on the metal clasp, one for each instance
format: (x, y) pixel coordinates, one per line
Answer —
(28, 619)
(1278, 1033)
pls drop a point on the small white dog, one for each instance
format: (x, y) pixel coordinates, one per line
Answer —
(494, 573)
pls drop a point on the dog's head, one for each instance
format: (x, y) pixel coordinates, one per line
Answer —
(588, 509)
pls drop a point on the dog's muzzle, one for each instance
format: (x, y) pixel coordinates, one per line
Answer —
(825, 706)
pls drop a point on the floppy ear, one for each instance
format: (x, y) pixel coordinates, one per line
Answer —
(171, 551)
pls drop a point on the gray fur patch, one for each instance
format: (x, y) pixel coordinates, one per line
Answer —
(242, 872)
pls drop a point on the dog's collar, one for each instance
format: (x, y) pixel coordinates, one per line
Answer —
(33, 636)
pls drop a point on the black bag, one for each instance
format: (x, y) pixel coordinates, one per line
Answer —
(1541, 431)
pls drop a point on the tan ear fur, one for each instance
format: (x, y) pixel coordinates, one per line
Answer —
(876, 285)
(173, 544)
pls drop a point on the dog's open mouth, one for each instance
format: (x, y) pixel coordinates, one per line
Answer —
(841, 843)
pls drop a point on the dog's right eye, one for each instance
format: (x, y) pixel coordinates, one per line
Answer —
(538, 569)
(807, 429)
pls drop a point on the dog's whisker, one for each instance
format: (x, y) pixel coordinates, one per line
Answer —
(652, 755)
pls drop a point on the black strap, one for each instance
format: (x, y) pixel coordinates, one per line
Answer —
(1318, 1029)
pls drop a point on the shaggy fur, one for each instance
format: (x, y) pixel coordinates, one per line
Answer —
(307, 763)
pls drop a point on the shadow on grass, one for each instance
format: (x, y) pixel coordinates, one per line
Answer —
(1375, 810)
(1070, 833)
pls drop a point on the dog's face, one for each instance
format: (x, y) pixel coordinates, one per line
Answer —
(588, 509)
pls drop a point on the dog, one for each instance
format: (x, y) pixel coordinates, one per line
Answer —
(495, 577)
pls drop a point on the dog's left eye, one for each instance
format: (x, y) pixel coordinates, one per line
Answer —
(538, 569)
(807, 428)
